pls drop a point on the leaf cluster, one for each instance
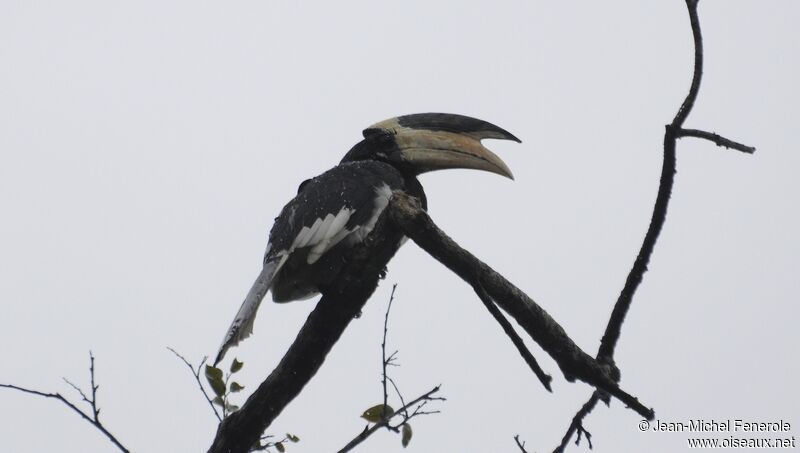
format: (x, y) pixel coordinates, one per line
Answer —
(223, 386)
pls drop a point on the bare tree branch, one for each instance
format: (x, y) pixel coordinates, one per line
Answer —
(344, 298)
(716, 138)
(544, 378)
(673, 131)
(385, 362)
(386, 413)
(573, 361)
(520, 444)
(385, 422)
(397, 390)
(196, 374)
(576, 427)
(92, 417)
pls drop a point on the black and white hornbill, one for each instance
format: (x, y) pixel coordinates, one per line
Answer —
(314, 233)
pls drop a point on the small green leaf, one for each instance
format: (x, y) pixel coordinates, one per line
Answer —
(279, 446)
(236, 365)
(218, 387)
(377, 413)
(293, 438)
(214, 378)
(407, 433)
(236, 387)
(218, 401)
(231, 407)
(213, 372)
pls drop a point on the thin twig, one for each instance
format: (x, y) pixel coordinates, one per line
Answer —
(92, 418)
(387, 416)
(383, 345)
(92, 402)
(577, 422)
(196, 375)
(586, 434)
(77, 389)
(424, 398)
(697, 76)
(717, 139)
(399, 395)
(95, 409)
(520, 444)
(544, 378)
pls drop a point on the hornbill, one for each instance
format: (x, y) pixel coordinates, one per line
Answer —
(314, 233)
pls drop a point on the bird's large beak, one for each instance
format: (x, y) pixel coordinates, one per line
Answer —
(436, 141)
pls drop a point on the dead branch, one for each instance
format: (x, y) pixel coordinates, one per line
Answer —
(673, 131)
(419, 402)
(544, 378)
(717, 139)
(386, 413)
(196, 374)
(520, 444)
(573, 361)
(92, 417)
(386, 362)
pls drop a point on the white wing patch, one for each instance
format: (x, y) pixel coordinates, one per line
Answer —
(325, 233)
(331, 236)
(320, 237)
(382, 196)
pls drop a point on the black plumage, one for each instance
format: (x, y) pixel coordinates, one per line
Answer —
(314, 232)
(360, 186)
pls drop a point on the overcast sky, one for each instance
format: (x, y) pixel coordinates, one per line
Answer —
(147, 146)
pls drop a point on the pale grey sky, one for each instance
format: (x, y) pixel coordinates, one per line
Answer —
(147, 146)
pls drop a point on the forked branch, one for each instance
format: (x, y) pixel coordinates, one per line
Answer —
(92, 417)
(673, 131)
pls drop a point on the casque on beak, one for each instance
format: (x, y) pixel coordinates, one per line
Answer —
(436, 141)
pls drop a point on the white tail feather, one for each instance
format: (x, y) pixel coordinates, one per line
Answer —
(242, 325)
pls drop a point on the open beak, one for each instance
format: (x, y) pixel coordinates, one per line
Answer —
(436, 141)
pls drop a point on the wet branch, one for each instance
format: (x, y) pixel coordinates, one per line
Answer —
(543, 329)
(674, 131)
(717, 139)
(544, 378)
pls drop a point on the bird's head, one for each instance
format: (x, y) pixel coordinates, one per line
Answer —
(432, 141)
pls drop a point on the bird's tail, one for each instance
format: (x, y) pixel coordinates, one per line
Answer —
(242, 325)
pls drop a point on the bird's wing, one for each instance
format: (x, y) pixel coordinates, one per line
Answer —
(344, 202)
(323, 234)
(319, 237)
(327, 209)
